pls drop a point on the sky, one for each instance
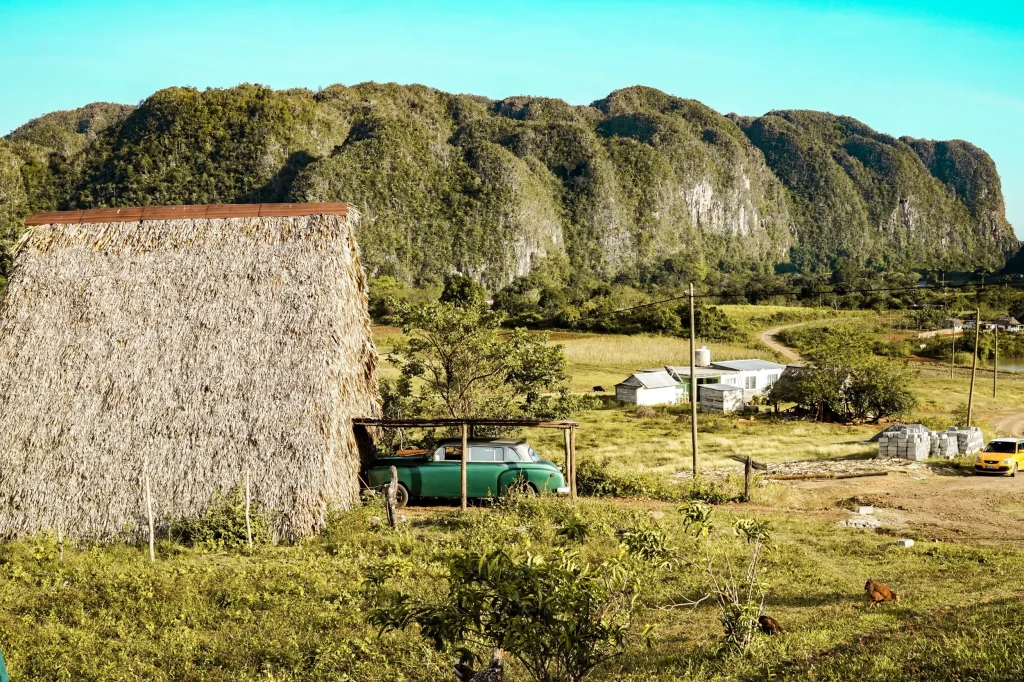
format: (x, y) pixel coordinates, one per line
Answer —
(933, 69)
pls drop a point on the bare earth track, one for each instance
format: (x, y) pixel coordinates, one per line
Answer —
(768, 338)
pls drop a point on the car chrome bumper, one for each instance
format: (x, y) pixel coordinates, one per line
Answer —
(562, 491)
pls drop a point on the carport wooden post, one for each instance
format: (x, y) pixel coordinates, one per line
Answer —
(465, 455)
(572, 458)
(568, 456)
(974, 366)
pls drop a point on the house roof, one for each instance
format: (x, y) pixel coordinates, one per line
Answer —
(747, 365)
(684, 371)
(1007, 320)
(720, 387)
(657, 379)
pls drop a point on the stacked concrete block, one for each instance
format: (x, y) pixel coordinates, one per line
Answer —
(945, 445)
(969, 440)
(917, 442)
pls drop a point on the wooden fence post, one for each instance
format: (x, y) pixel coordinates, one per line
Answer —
(392, 499)
(149, 513)
(465, 456)
(568, 457)
(694, 389)
(248, 503)
(747, 470)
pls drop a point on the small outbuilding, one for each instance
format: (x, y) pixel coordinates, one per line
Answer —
(721, 398)
(649, 388)
(187, 351)
(755, 377)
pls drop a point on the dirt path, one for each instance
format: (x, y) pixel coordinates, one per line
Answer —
(1012, 425)
(768, 338)
(932, 505)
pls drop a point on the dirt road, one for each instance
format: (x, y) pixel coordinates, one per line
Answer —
(1011, 425)
(768, 338)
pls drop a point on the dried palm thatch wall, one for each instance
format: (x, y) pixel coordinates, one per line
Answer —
(186, 344)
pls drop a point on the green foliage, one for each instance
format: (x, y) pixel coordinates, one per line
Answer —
(222, 526)
(845, 380)
(560, 617)
(460, 184)
(457, 361)
(462, 291)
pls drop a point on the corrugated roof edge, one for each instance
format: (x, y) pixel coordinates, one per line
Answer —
(131, 214)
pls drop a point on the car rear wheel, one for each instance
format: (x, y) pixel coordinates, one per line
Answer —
(401, 497)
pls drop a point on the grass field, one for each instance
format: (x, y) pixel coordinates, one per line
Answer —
(298, 613)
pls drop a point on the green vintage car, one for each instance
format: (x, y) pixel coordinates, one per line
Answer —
(492, 467)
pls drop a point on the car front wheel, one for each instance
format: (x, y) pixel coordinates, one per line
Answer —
(1014, 472)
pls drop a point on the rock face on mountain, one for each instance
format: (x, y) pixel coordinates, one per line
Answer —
(458, 183)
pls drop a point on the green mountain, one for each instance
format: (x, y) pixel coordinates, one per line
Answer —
(458, 183)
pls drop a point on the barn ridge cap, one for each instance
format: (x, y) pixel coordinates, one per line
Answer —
(131, 214)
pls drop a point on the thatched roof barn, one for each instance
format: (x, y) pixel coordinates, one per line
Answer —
(186, 344)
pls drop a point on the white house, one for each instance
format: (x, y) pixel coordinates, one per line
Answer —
(704, 375)
(721, 398)
(755, 377)
(649, 388)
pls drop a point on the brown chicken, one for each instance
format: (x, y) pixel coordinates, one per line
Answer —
(878, 593)
(769, 626)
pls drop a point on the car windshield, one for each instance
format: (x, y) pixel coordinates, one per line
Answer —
(1008, 447)
(534, 455)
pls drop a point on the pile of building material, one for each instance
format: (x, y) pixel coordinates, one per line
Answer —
(911, 441)
(969, 440)
(917, 442)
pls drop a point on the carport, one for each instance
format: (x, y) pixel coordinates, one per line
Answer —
(467, 425)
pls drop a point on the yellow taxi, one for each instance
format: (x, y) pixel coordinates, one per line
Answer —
(1000, 456)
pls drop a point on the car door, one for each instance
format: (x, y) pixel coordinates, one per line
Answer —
(486, 464)
(442, 476)
(1020, 454)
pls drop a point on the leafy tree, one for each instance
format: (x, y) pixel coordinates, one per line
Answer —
(458, 361)
(560, 618)
(845, 380)
(463, 292)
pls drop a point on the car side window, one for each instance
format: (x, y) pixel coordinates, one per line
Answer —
(486, 453)
(453, 453)
(511, 455)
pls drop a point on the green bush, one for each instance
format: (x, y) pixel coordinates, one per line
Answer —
(222, 526)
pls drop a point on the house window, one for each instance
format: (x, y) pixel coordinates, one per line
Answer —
(772, 378)
(751, 382)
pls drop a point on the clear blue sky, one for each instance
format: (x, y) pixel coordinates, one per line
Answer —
(936, 69)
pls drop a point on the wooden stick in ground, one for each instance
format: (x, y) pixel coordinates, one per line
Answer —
(572, 458)
(392, 501)
(694, 391)
(974, 367)
(60, 545)
(465, 456)
(747, 469)
(248, 503)
(149, 513)
(952, 355)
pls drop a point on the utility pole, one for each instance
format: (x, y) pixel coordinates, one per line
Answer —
(952, 355)
(974, 365)
(693, 384)
(995, 360)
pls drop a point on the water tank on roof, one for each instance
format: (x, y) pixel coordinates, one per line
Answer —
(703, 357)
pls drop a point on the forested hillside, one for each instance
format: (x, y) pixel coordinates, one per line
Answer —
(458, 183)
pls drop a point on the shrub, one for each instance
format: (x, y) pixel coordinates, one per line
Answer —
(560, 618)
(222, 526)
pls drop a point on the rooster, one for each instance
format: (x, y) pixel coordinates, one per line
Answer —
(495, 672)
(878, 593)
